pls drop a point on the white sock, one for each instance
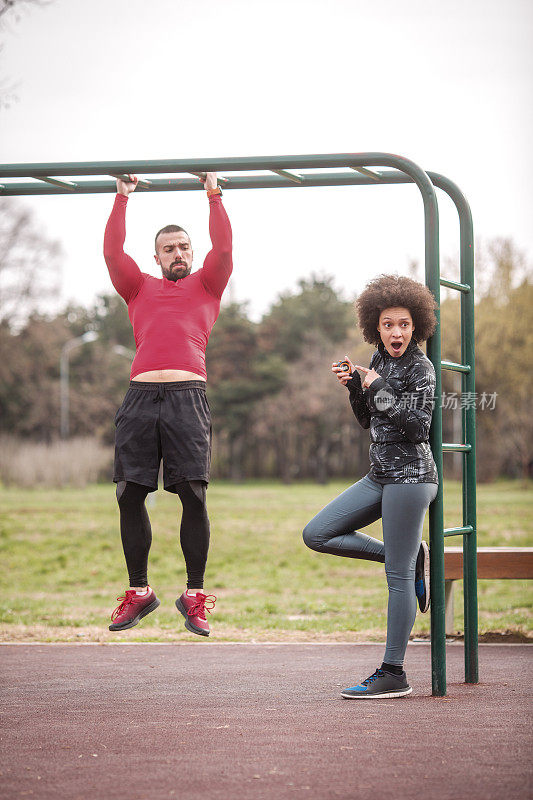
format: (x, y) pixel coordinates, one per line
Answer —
(193, 592)
(143, 592)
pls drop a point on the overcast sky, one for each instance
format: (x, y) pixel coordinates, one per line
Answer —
(447, 84)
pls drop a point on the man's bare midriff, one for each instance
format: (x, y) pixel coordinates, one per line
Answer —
(167, 376)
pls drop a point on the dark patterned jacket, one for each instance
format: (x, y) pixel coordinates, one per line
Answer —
(397, 408)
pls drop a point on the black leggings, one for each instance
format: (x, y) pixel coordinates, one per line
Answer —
(136, 532)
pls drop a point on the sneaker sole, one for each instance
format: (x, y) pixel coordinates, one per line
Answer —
(383, 695)
(125, 625)
(190, 627)
(423, 606)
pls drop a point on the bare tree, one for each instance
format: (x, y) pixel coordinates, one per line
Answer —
(10, 11)
(8, 5)
(29, 264)
(308, 430)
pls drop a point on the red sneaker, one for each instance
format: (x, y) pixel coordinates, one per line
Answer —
(132, 609)
(193, 608)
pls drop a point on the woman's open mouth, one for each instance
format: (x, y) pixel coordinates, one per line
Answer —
(396, 346)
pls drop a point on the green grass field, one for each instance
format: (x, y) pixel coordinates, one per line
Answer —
(64, 566)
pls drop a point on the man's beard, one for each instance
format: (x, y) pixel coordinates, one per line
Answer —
(172, 275)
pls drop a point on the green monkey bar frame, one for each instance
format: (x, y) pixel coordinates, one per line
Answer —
(292, 172)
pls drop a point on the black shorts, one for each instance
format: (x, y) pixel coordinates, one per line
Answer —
(169, 421)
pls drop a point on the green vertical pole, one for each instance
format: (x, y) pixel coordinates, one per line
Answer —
(436, 510)
(469, 470)
(468, 426)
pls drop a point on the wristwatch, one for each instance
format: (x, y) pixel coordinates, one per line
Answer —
(214, 192)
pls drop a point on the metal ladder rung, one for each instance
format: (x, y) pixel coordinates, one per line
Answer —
(455, 367)
(369, 173)
(461, 287)
(456, 448)
(287, 173)
(457, 531)
(144, 183)
(220, 178)
(56, 182)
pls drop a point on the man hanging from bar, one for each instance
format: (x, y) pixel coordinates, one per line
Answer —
(165, 414)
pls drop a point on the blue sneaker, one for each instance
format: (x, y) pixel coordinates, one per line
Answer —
(379, 685)
(422, 578)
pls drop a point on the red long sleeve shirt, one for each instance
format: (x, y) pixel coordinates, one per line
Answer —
(171, 320)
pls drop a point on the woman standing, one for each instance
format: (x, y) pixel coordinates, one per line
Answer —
(394, 398)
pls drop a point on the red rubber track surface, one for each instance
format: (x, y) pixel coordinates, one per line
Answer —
(208, 721)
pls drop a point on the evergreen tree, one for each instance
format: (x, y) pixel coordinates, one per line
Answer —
(315, 307)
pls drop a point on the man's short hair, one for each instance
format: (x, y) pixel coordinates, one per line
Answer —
(169, 229)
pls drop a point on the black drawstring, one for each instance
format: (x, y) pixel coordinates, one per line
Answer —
(160, 394)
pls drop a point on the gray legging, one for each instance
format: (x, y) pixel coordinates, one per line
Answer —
(402, 507)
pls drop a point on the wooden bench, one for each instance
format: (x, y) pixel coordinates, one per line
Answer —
(492, 562)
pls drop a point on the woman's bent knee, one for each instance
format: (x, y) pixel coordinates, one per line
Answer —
(310, 536)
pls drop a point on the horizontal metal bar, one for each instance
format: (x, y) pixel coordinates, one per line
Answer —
(101, 186)
(292, 176)
(456, 448)
(146, 184)
(461, 287)
(357, 163)
(170, 166)
(318, 179)
(456, 531)
(272, 181)
(455, 367)
(56, 182)
(369, 173)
